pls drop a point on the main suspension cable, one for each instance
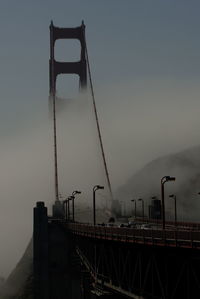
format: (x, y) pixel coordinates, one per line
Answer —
(97, 123)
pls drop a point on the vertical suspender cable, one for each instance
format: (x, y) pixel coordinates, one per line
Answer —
(97, 123)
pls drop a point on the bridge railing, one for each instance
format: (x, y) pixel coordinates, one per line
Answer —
(159, 237)
(181, 224)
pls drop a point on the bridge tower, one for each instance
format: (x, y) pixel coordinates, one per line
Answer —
(55, 67)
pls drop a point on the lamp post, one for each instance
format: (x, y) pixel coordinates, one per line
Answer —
(140, 199)
(133, 200)
(95, 188)
(67, 212)
(175, 209)
(73, 197)
(164, 179)
(68, 208)
(65, 203)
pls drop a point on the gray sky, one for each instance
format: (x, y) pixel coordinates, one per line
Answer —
(145, 58)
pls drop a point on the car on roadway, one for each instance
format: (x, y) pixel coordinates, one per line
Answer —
(145, 226)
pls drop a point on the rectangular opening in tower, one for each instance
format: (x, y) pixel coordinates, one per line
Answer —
(67, 86)
(67, 50)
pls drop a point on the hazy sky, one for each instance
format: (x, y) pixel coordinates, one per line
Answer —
(145, 61)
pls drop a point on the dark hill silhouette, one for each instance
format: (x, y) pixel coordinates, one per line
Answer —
(19, 283)
(185, 166)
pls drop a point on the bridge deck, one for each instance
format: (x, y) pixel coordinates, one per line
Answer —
(155, 237)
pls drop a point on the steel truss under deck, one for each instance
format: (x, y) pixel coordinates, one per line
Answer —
(136, 270)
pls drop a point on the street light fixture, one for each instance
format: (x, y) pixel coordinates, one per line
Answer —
(73, 197)
(133, 200)
(140, 199)
(175, 209)
(95, 188)
(164, 179)
(76, 192)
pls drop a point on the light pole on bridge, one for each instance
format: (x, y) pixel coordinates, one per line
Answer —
(175, 208)
(95, 188)
(68, 208)
(164, 179)
(73, 197)
(66, 214)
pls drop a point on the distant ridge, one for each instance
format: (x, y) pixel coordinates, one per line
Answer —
(19, 282)
(185, 166)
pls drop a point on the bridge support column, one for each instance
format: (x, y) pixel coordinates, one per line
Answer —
(40, 249)
(56, 265)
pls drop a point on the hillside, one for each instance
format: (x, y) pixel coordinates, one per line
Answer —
(19, 283)
(185, 166)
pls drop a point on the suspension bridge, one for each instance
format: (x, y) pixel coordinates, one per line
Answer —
(78, 260)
